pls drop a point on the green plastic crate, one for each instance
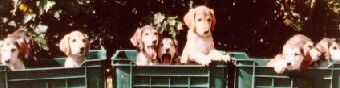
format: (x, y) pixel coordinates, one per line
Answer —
(253, 73)
(128, 75)
(90, 75)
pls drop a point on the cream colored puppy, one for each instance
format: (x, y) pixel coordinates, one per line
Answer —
(200, 43)
(75, 45)
(146, 40)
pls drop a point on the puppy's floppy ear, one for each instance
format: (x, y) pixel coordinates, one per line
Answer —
(87, 43)
(189, 18)
(213, 19)
(136, 38)
(175, 59)
(64, 45)
(23, 47)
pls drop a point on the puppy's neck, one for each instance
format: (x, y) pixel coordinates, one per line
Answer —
(194, 36)
(79, 58)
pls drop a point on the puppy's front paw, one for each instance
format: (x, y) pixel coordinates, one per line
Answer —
(204, 61)
(226, 58)
(219, 56)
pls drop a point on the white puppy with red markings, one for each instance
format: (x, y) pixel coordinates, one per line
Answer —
(334, 50)
(168, 51)
(75, 45)
(201, 21)
(12, 54)
(330, 49)
(298, 53)
(146, 39)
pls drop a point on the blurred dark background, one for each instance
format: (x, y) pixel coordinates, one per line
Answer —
(257, 27)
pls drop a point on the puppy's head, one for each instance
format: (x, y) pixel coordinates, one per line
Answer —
(311, 52)
(75, 43)
(26, 43)
(10, 51)
(293, 56)
(323, 47)
(146, 39)
(299, 52)
(201, 20)
(334, 50)
(168, 51)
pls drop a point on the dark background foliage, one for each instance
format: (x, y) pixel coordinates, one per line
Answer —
(257, 27)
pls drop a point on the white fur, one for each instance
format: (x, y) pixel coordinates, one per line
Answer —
(10, 54)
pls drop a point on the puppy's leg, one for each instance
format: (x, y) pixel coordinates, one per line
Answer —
(68, 63)
(185, 56)
(142, 60)
(278, 63)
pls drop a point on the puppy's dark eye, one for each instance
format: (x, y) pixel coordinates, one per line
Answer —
(171, 44)
(13, 50)
(146, 34)
(334, 48)
(199, 19)
(296, 54)
(74, 40)
(209, 19)
(83, 40)
(155, 33)
(310, 47)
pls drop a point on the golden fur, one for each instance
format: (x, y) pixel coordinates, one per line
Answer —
(75, 45)
(201, 21)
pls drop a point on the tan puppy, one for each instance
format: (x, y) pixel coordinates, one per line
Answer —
(75, 45)
(298, 53)
(200, 43)
(12, 53)
(146, 40)
(168, 51)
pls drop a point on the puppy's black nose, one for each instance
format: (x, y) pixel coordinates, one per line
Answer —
(288, 64)
(206, 32)
(7, 61)
(167, 50)
(154, 42)
(82, 49)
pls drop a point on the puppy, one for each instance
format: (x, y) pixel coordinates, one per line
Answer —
(200, 43)
(168, 51)
(298, 53)
(12, 53)
(75, 45)
(25, 41)
(28, 45)
(330, 49)
(146, 39)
